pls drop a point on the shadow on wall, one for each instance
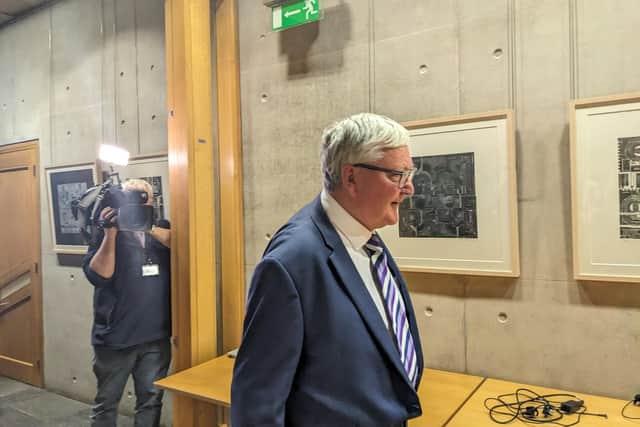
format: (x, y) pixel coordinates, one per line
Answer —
(583, 293)
(608, 294)
(330, 36)
(70, 260)
(462, 286)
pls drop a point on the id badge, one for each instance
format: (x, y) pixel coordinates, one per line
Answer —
(150, 270)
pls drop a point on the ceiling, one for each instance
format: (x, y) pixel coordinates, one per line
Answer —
(11, 9)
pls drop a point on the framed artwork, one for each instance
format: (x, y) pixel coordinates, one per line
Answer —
(462, 218)
(153, 168)
(64, 184)
(605, 187)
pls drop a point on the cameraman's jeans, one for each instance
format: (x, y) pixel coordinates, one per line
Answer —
(147, 363)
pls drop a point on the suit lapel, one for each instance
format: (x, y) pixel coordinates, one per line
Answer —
(352, 283)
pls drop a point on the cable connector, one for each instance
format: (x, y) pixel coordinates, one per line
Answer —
(571, 406)
(530, 412)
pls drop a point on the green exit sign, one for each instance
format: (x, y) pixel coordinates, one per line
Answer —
(297, 13)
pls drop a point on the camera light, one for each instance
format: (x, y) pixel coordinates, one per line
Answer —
(113, 154)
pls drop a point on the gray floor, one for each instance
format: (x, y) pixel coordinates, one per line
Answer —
(22, 405)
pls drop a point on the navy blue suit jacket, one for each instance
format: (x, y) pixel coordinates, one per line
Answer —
(315, 350)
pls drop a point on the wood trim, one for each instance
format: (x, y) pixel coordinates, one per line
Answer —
(602, 101)
(188, 48)
(149, 156)
(14, 169)
(631, 280)
(455, 120)
(513, 192)
(69, 165)
(14, 273)
(230, 167)
(574, 198)
(487, 273)
(17, 362)
(191, 180)
(36, 276)
(19, 146)
(14, 300)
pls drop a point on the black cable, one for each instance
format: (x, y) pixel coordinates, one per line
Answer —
(635, 402)
(534, 405)
(530, 407)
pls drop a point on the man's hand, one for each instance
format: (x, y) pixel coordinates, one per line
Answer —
(104, 261)
(162, 235)
(108, 218)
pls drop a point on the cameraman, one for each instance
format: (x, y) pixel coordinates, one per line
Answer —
(130, 271)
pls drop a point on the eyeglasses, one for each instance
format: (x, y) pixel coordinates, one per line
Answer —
(400, 177)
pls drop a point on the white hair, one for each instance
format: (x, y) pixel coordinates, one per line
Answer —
(138, 184)
(360, 138)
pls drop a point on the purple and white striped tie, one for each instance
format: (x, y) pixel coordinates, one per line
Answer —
(395, 307)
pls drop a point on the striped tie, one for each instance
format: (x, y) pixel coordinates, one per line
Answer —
(395, 307)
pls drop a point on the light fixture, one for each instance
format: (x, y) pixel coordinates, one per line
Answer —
(113, 154)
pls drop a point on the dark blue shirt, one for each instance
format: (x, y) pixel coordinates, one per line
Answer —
(129, 308)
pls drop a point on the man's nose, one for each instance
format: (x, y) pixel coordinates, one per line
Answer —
(408, 189)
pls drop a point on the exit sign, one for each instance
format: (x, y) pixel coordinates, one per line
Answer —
(296, 13)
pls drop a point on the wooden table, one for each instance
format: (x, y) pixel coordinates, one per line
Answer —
(442, 394)
(447, 398)
(209, 381)
(473, 413)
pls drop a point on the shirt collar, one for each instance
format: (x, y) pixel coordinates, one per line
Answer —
(356, 233)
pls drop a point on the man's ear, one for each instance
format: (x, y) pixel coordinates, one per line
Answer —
(348, 177)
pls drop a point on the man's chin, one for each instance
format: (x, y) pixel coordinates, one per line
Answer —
(391, 220)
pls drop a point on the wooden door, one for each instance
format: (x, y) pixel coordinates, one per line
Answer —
(20, 284)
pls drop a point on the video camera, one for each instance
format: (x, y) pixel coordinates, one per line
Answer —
(130, 205)
(132, 211)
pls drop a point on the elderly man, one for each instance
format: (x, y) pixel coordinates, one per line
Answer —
(330, 335)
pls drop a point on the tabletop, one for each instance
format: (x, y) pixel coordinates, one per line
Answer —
(209, 381)
(474, 413)
(442, 394)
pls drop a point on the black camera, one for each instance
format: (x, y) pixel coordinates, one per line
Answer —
(131, 205)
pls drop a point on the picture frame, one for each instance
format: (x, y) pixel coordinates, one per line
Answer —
(153, 168)
(605, 187)
(64, 184)
(462, 217)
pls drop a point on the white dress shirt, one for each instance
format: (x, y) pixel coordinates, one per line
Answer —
(354, 236)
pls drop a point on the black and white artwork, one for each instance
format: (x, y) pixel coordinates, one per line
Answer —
(444, 202)
(462, 217)
(629, 186)
(65, 194)
(66, 183)
(158, 197)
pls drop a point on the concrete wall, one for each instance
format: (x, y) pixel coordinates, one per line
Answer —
(417, 59)
(75, 75)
